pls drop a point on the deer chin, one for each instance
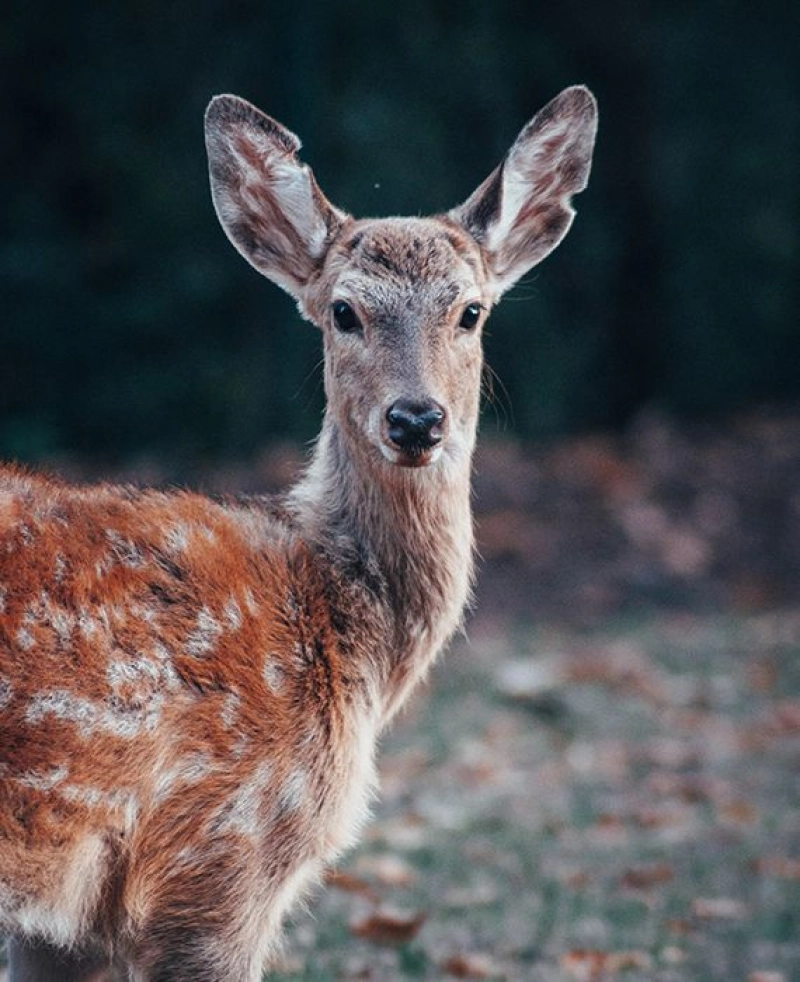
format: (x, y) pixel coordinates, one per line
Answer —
(417, 458)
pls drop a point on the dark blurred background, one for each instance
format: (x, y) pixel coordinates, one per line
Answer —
(130, 326)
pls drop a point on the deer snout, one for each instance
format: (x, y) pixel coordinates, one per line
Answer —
(415, 429)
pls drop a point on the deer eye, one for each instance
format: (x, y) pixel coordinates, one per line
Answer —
(345, 317)
(471, 316)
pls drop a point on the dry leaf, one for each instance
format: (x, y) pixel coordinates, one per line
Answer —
(644, 877)
(781, 867)
(593, 966)
(388, 870)
(389, 925)
(471, 966)
(576, 879)
(784, 719)
(349, 882)
(738, 812)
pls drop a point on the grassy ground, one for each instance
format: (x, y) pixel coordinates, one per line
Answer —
(562, 805)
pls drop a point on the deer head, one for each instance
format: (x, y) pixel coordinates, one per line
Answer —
(401, 301)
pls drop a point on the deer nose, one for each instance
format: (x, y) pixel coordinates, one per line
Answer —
(415, 426)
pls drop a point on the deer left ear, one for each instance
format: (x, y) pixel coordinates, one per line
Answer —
(266, 198)
(522, 210)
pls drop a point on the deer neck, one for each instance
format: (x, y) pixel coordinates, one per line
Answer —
(412, 527)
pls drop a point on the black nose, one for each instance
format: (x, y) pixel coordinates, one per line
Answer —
(415, 426)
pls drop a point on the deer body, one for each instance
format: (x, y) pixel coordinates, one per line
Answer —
(191, 690)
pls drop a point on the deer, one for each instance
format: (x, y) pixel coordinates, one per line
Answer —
(192, 688)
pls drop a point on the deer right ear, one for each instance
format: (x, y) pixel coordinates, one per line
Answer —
(522, 210)
(266, 199)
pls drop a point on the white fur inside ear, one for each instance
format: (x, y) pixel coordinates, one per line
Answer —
(268, 171)
(522, 210)
(266, 198)
(530, 171)
(295, 197)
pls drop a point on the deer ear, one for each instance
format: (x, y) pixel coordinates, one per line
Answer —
(522, 210)
(266, 199)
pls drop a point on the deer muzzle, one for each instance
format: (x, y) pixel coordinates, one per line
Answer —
(414, 430)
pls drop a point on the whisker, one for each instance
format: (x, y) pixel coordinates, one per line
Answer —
(314, 373)
(498, 397)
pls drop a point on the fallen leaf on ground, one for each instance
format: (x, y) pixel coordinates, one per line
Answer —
(575, 879)
(389, 925)
(781, 867)
(471, 966)
(388, 870)
(784, 718)
(622, 666)
(738, 812)
(349, 882)
(592, 966)
(643, 877)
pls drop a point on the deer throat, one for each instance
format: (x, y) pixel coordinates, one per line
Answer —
(412, 532)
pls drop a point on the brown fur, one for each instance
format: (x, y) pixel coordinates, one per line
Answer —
(191, 690)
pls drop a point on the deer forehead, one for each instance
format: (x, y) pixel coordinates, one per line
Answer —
(416, 262)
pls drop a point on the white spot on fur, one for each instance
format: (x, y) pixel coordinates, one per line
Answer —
(250, 601)
(177, 538)
(294, 793)
(242, 812)
(40, 781)
(273, 674)
(87, 625)
(205, 635)
(187, 771)
(62, 623)
(164, 658)
(143, 612)
(240, 747)
(59, 568)
(124, 550)
(230, 709)
(233, 614)
(5, 692)
(25, 639)
(142, 673)
(104, 566)
(89, 717)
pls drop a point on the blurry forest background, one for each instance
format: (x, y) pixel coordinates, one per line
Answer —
(130, 326)
(603, 780)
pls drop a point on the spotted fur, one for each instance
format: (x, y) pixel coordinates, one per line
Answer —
(191, 690)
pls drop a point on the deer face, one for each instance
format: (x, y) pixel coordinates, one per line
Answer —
(401, 303)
